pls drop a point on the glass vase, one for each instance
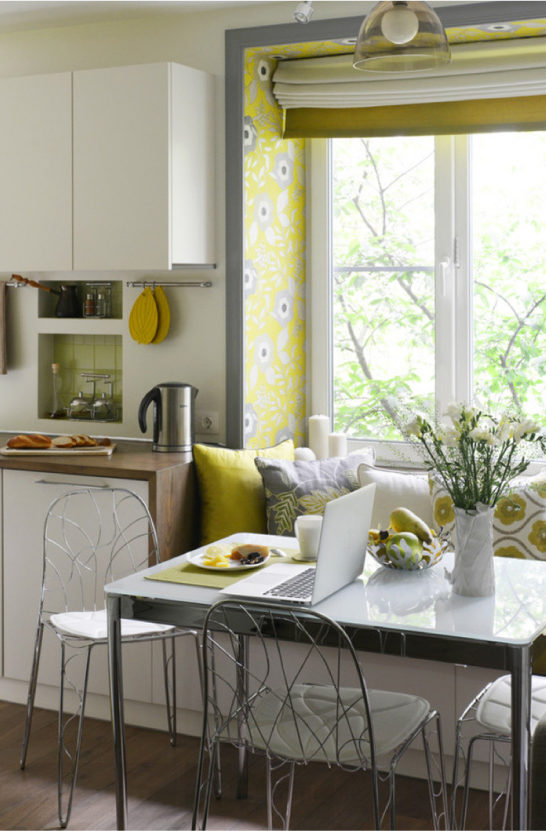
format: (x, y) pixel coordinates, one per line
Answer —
(473, 574)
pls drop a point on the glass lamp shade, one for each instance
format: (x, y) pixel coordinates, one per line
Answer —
(401, 36)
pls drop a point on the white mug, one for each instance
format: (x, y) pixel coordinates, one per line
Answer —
(307, 529)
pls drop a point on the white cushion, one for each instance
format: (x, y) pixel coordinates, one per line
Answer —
(396, 489)
(92, 625)
(313, 726)
(494, 710)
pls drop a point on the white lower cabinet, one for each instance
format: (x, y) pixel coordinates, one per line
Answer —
(27, 496)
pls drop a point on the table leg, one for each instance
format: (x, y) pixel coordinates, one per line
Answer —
(242, 693)
(113, 605)
(521, 712)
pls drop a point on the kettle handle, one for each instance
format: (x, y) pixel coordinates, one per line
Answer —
(155, 396)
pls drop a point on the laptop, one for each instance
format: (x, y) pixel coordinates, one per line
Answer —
(340, 557)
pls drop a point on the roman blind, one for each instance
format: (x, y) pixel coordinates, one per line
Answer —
(487, 86)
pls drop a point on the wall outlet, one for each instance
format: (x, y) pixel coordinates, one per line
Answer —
(206, 422)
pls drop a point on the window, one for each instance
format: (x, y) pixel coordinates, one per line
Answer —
(437, 277)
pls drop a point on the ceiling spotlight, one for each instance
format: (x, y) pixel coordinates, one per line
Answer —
(401, 36)
(304, 11)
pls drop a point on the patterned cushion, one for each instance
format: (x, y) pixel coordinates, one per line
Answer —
(519, 524)
(295, 488)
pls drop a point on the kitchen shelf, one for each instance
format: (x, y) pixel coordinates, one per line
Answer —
(79, 326)
(47, 301)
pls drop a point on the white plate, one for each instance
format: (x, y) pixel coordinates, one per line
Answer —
(234, 565)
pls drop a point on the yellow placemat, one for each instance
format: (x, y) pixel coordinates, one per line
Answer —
(192, 575)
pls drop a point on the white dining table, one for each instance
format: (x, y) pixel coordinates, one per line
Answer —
(410, 614)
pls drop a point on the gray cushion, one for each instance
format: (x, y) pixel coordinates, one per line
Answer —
(295, 488)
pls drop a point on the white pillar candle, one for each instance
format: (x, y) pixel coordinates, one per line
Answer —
(319, 427)
(337, 444)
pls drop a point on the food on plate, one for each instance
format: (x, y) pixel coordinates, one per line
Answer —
(250, 554)
(33, 441)
(402, 519)
(222, 555)
(105, 442)
(217, 555)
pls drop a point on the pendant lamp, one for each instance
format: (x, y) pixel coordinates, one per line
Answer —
(401, 36)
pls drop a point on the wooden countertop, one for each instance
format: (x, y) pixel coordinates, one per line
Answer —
(130, 460)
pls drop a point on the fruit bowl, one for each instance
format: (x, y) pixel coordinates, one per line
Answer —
(405, 560)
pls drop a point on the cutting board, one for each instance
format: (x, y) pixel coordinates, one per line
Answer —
(59, 451)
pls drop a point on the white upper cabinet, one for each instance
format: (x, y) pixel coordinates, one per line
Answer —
(107, 169)
(143, 167)
(36, 173)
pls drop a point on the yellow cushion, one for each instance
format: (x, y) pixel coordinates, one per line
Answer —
(231, 489)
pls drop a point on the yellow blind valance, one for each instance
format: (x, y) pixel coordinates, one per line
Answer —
(441, 118)
(488, 86)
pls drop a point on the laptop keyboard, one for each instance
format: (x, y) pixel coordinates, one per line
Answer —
(297, 587)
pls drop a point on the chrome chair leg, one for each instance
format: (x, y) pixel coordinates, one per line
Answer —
(169, 668)
(32, 692)
(64, 752)
(441, 794)
(273, 790)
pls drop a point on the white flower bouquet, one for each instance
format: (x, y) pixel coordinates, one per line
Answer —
(474, 455)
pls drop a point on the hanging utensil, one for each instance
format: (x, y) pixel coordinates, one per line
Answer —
(144, 318)
(164, 315)
(33, 283)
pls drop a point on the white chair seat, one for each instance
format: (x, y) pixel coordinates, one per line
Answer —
(313, 722)
(494, 709)
(92, 625)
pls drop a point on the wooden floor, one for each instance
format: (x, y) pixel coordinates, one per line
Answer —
(160, 784)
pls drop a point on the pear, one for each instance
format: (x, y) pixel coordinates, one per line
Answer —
(402, 519)
(404, 549)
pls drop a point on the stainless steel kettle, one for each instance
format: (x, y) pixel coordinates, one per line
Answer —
(173, 418)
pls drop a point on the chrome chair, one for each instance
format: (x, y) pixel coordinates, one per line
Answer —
(302, 702)
(91, 537)
(488, 719)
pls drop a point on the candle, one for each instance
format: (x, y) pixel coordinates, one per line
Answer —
(337, 444)
(319, 426)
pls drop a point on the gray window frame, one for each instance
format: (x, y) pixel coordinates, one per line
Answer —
(237, 41)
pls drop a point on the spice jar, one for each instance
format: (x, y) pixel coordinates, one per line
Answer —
(89, 304)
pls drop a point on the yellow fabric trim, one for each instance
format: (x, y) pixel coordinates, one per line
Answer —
(442, 118)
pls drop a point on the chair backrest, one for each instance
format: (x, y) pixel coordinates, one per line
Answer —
(294, 688)
(92, 536)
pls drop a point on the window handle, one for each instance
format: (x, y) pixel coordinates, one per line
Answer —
(445, 274)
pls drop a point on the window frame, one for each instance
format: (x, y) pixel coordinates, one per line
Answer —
(453, 289)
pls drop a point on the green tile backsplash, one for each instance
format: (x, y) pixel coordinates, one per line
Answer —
(88, 353)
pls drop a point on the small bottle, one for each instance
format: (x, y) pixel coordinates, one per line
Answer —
(89, 306)
(56, 410)
(100, 305)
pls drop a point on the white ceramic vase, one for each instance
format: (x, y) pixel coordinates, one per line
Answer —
(473, 574)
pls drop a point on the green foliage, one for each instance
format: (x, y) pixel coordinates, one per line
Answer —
(383, 210)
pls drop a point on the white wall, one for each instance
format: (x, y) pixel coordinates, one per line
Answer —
(195, 351)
